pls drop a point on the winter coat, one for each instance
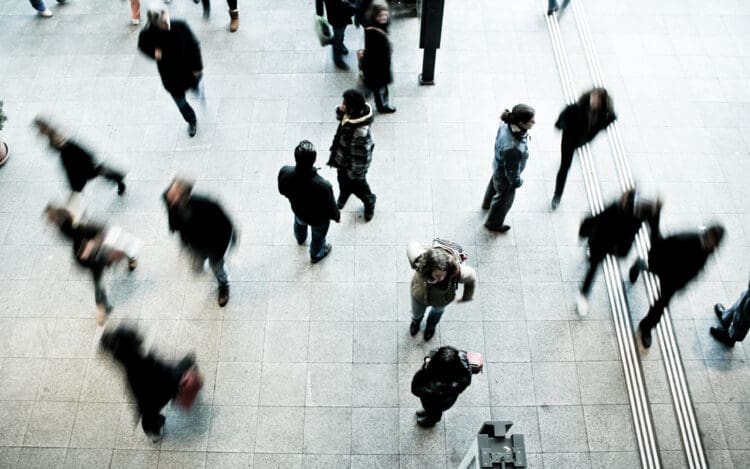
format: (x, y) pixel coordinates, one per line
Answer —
(676, 259)
(80, 165)
(376, 64)
(180, 54)
(580, 124)
(352, 145)
(613, 230)
(203, 225)
(443, 293)
(511, 154)
(439, 392)
(310, 196)
(338, 12)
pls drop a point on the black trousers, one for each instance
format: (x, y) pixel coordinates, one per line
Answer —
(359, 187)
(657, 310)
(152, 420)
(568, 147)
(381, 97)
(109, 173)
(588, 280)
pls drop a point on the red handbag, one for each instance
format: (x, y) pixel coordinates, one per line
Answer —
(190, 383)
(476, 361)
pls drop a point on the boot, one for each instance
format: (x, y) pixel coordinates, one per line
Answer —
(413, 328)
(722, 336)
(234, 21)
(223, 295)
(370, 208)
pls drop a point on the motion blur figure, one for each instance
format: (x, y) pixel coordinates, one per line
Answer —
(676, 260)
(339, 14)
(152, 382)
(41, 7)
(613, 231)
(376, 62)
(204, 228)
(95, 247)
(735, 321)
(444, 375)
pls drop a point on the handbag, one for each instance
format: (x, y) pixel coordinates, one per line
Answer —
(190, 383)
(476, 362)
(323, 30)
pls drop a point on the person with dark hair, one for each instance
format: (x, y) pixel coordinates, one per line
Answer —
(580, 122)
(437, 273)
(79, 164)
(204, 228)
(376, 62)
(351, 151)
(444, 375)
(152, 382)
(511, 154)
(612, 231)
(178, 58)
(735, 321)
(311, 198)
(339, 13)
(676, 260)
(95, 247)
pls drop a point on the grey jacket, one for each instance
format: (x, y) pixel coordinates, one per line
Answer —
(511, 154)
(432, 294)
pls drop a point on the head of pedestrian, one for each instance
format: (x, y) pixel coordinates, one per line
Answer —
(354, 104)
(446, 361)
(56, 215)
(304, 155)
(178, 192)
(435, 264)
(520, 119)
(711, 237)
(158, 15)
(379, 14)
(598, 98)
(56, 138)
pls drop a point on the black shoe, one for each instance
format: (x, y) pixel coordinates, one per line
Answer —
(192, 129)
(132, 263)
(722, 336)
(719, 311)
(635, 270)
(121, 188)
(387, 110)
(223, 295)
(341, 65)
(646, 338)
(413, 328)
(498, 229)
(426, 422)
(344, 50)
(551, 10)
(428, 333)
(555, 202)
(370, 208)
(326, 251)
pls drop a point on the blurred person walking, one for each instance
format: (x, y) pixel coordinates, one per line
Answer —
(351, 151)
(444, 375)
(376, 61)
(676, 260)
(311, 198)
(735, 321)
(178, 58)
(339, 14)
(204, 228)
(553, 6)
(580, 122)
(511, 154)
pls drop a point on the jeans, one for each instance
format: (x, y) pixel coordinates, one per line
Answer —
(498, 198)
(318, 241)
(418, 312)
(100, 291)
(337, 43)
(381, 97)
(39, 4)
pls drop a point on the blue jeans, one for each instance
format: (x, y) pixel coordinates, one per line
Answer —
(318, 241)
(39, 4)
(418, 311)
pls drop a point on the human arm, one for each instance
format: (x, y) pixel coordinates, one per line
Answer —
(334, 212)
(469, 279)
(319, 7)
(147, 42)
(512, 165)
(195, 58)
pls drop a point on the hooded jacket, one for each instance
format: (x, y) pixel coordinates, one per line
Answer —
(376, 64)
(677, 259)
(352, 145)
(203, 225)
(180, 54)
(309, 194)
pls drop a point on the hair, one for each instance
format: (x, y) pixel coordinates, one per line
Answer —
(122, 342)
(446, 361)
(375, 9)
(520, 114)
(355, 102)
(56, 138)
(57, 215)
(435, 259)
(155, 12)
(606, 99)
(714, 233)
(304, 154)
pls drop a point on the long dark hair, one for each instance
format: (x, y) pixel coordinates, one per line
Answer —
(520, 114)
(436, 259)
(446, 362)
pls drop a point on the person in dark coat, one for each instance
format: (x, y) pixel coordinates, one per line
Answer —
(178, 58)
(580, 122)
(79, 164)
(204, 228)
(339, 14)
(444, 375)
(676, 260)
(351, 151)
(735, 321)
(612, 231)
(311, 198)
(93, 251)
(153, 382)
(376, 63)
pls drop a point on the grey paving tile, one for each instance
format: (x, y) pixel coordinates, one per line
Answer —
(562, 428)
(237, 384)
(229, 460)
(95, 425)
(285, 341)
(734, 419)
(461, 426)
(543, 301)
(556, 383)
(329, 384)
(507, 341)
(283, 384)
(177, 459)
(550, 341)
(19, 378)
(566, 459)
(16, 415)
(330, 342)
(594, 340)
(511, 383)
(414, 440)
(280, 429)
(232, 428)
(50, 424)
(338, 442)
(375, 385)
(38, 458)
(373, 461)
(127, 459)
(375, 430)
(614, 459)
(609, 428)
(88, 458)
(604, 383)
(374, 301)
(375, 342)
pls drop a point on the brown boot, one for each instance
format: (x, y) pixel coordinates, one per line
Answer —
(234, 22)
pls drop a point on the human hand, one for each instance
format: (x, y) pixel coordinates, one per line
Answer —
(157, 54)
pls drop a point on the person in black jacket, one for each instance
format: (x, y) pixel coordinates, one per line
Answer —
(339, 13)
(204, 228)
(444, 375)
(735, 320)
(311, 198)
(580, 122)
(676, 260)
(152, 382)
(178, 59)
(612, 231)
(376, 62)
(351, 151)
(79, 164)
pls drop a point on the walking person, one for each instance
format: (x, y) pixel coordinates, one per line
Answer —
(735, 321)
(613, 231)
(437, 273)
(444, 375)
(580, 122)
(376, 62)
(511, 154)
(676, 260)
(311, 198)
(41, 7)
(204, 227)
(351, 151)
(339, 14)
(178, 58)
(95, 247)
(79, 164)
(152, 382)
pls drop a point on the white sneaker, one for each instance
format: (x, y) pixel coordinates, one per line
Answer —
(582, 305)
(135, 21)
(46, 13)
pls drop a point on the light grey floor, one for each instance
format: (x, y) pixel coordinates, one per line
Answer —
(310, 366)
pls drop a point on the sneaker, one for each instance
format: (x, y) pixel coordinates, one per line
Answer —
(135, 21)
(635, 270)
(121, 188)
(341, 65)
(223, 295)
(46, 13)
(156, 437)
(426, 422)
(132, 264)
(192, 129)
(387, 109)
(428, 334)
(413, 328)
(101, 314)
(555, 202)
(234, 20)
(326, 251)
(582, 305)
(646, 338)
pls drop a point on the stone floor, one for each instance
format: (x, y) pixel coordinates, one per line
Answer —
(310, 366)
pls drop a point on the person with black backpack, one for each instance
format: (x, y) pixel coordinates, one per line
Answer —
(437, 273)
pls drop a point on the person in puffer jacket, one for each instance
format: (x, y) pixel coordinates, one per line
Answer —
(445, 374)
(351, 151)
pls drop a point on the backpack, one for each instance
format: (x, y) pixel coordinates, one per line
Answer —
(453, 248)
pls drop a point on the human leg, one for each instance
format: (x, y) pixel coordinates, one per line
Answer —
(103, 306)
(430, 415)
(135, 11)
(345, 189)
(234, 15)
(222, 276)
(567, 150)
(500, 205)
(361, 189)
(417, 313)
(187, 112)
(153, 423)
(489, 193)
(300, 231)
(38, 5)
(337, 47)
(206, 8)
(318, 245)
(436, 312)
(113, 175)
(722, 335)
(381, 100)
(654, 315)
